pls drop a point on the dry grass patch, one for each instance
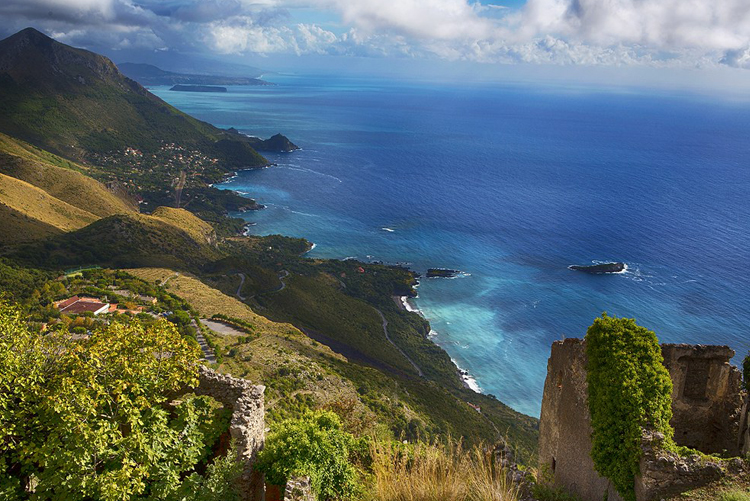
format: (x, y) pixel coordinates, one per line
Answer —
(39, 205)
(431, 472)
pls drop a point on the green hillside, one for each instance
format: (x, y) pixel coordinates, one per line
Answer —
(125, 240)
(76, 103)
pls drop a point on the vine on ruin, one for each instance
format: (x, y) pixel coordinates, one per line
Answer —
(628, 389)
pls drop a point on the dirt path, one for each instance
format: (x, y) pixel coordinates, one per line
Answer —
(385, 331)
(164, 282)
(282, 276)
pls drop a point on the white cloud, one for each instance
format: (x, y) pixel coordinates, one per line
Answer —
(431, 19)
(658, 24)
(681, 33)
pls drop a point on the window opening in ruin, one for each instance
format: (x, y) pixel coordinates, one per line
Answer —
(696, 378)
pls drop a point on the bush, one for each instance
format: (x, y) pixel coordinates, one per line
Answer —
(544, 492)
(316, 446)
(628, 388)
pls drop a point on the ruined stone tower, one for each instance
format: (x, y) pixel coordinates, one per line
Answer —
(708, 415)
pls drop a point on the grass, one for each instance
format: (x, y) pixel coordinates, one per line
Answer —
(60, 179)
(40, 206)
(735, 495)
(198, 229)
(431, 472)
(730, 488)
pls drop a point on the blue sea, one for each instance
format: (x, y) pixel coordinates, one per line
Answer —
(511, 184)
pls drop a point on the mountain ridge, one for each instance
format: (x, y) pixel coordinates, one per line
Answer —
(74, 103)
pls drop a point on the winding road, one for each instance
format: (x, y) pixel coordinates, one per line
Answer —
(385, 331)
(239, 288)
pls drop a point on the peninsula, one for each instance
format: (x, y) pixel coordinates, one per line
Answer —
(198, 88)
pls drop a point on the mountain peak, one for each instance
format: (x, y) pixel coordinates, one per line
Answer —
(30, 57)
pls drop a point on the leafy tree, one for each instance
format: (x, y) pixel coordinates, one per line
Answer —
(90, 418)
(313, 445)
(628, 388)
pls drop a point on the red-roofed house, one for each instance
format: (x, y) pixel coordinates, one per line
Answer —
(77, 305)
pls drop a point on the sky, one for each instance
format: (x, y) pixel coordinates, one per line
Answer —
(692, 39)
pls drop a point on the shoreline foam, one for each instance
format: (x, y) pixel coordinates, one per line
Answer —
(468, 380)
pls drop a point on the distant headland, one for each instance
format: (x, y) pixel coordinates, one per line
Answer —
(198, 88)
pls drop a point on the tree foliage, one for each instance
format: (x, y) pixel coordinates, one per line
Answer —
(89, 419)
(628, 388)
(313, 445)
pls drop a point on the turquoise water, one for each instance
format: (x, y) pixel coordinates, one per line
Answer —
(511, 184)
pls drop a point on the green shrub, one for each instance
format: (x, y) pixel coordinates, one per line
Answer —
(629, 388)
(312, 445)
(746, 371)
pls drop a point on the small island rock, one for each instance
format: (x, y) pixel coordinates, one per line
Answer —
(600, 268)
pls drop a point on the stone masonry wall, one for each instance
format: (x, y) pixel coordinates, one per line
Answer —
(706, 397)
(565, 425)
(299, 489)
(247, 427)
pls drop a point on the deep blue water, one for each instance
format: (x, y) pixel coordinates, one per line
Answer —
(511, 184)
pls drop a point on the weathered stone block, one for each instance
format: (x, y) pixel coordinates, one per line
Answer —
(299, 489)
(706, 397)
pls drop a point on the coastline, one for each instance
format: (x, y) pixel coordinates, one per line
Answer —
(468, 380)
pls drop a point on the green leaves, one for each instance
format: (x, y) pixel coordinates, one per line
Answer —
(628, 388)
(91, 418)
(313, 445)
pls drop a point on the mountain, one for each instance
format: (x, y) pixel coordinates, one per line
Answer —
(75, 103)
(148, 74)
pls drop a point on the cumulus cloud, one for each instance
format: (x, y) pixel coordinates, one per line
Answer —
(663, 24)
(593, 32)
(436, 19)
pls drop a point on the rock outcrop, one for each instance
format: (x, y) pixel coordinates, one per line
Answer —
(665, 474)
(299, 489)
(598, 269)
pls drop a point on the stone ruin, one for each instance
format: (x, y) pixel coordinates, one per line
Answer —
(247, 428)
(710, 414)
